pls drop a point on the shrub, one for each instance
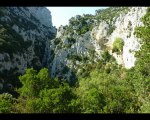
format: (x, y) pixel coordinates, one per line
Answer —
(106, 56)
(118, 45)
(111, 29)
(65, 70)
(71, 40)
(57, 41)
(6, 102)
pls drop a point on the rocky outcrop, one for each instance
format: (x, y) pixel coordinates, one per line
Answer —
(125, 25)
(27, 29)
(75, 51)
(124, 28)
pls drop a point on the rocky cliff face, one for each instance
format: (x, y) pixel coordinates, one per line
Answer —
(27, 40)
(125, 25)
(73, 49)
(23, 35)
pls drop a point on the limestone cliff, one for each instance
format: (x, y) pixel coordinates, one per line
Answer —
(86, 37)
(23, 35)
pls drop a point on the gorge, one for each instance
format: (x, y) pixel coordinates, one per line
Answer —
(106, 41)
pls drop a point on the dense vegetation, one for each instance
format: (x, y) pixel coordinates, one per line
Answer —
(107, 88)
(80, 24)
(110, 13)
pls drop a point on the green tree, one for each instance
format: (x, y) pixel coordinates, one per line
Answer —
(33, 82)
(6, 103)
(104, 92)
(55, 100)
(29, 82)
(44, 94)
(91, 99)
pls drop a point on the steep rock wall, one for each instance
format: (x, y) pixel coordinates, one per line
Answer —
(24, 32)
(72, 50)
(124, 28)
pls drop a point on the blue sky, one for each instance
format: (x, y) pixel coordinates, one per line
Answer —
(61, 15)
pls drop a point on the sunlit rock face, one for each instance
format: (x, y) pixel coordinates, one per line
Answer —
(124, 28)
(125, 25)
(98, 40)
